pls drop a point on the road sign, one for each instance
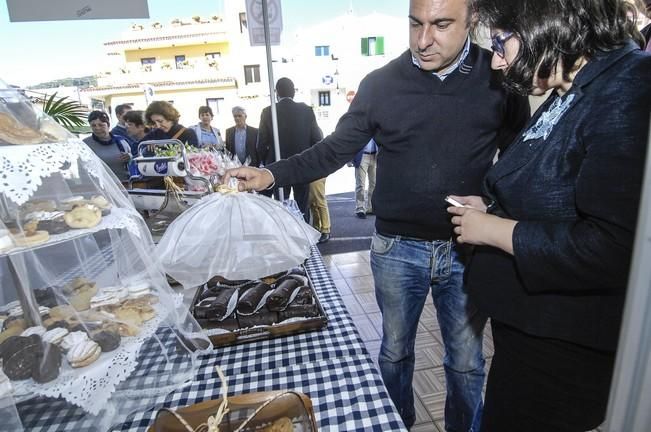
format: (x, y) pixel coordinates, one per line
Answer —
(255, 21)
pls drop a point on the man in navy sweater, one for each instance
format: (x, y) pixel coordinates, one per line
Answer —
(437, 113)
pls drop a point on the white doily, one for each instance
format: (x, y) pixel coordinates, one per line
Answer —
(119, 218)
(24, 167)
(91, 387)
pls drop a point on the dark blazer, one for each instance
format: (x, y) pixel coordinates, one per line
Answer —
(251, 142)
(575, 195)
(297, 130)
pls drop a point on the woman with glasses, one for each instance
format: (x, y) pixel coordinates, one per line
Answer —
(554, 231)
(164, 119)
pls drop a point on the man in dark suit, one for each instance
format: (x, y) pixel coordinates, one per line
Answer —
(297, 131)
(241, 139)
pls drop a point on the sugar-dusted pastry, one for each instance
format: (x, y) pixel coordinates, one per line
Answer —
(138, 289)
(83, 216)
(37, 330)
(83, 354)
(55, 335)
(24, 239)
(72, 339)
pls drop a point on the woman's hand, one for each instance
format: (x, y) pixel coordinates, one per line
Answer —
(124, 157)
(478, 228)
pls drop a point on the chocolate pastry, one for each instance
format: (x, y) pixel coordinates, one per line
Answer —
(84, 327)
(218, 280)
(45, 297)
(107, 340)
(299, 311)
(184, 342)
(303, 297)
(261, 317)
(302, 280)
(48, 363)
(251, 298)
(14, 344)
(18, 366)
(299, 270)
(215, 304)
(55, 324)
(279, 298)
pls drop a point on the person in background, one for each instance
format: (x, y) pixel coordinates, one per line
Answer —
(554, 244)
(646, 30)
(241, 139)
(297, 131)
(437, 114)
(365, 162)
(114, 150)
(120, 128)
(319, 209)
(207, 135)
(136, 128)
(165, 120)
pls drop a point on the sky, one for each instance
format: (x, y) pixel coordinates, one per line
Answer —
(34, 52)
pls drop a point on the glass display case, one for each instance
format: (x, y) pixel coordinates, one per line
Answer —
(86, 313)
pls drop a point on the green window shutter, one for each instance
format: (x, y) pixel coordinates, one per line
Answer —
(365, 46)
(379, 45)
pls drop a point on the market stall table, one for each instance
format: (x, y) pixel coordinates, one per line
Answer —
(331, 366)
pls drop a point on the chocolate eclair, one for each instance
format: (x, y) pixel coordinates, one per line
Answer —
(251, 298)
(279, 298)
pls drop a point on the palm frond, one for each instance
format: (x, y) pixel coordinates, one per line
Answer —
(67, 113)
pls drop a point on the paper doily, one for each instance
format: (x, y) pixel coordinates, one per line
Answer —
(23, 167)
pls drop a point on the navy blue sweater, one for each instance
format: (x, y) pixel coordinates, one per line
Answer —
(435, 138)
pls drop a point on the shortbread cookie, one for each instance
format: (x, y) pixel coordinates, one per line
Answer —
(38, 237)
(83, 354)
(55, 336)
(37, 330)
(72, 339)
(83, 216)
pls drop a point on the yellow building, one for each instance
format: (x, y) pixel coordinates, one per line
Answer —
(189, 62)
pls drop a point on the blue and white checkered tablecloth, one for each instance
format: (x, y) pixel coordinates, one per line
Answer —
(330, 365)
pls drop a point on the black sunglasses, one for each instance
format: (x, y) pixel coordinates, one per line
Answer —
(498, 41)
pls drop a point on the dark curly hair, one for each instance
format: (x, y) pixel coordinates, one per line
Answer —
(99, 115)
(164, 109)
(550, 31)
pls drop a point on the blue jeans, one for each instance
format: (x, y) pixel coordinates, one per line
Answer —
(405, 271)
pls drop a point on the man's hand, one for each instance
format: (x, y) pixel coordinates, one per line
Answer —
(250, 178)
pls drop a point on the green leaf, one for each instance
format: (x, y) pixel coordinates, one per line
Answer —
(67, 113)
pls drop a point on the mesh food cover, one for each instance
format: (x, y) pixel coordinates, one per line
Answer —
(89, 327)
(236, 236)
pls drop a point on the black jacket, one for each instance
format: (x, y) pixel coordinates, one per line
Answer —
(251, 141)
(576, 196)
(434, 138)
(297, 131)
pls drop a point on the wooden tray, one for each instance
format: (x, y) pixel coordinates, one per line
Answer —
(262, 332)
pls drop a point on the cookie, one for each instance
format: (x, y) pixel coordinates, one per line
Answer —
(72, 339)
(15, 321)
(37, 330)
(52, 324)
(47, 365)
(10, 332)
(55, 336)
(69, 203)
(107, 340)
(83, 354)
(83, 216)
(283, 424)
(13, 132)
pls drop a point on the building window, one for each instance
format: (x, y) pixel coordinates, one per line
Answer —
(180, 61)
(322, 50)
(251, 74)
(324, 98)
(214, 104)
(147, 60)
(372, 46)
(243, 22)
(213, 55)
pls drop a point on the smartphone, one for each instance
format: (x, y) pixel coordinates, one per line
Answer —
(453, 202)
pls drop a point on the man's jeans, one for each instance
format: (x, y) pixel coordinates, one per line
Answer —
(405, 270)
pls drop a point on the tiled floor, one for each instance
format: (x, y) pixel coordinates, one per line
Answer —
(351, 273)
